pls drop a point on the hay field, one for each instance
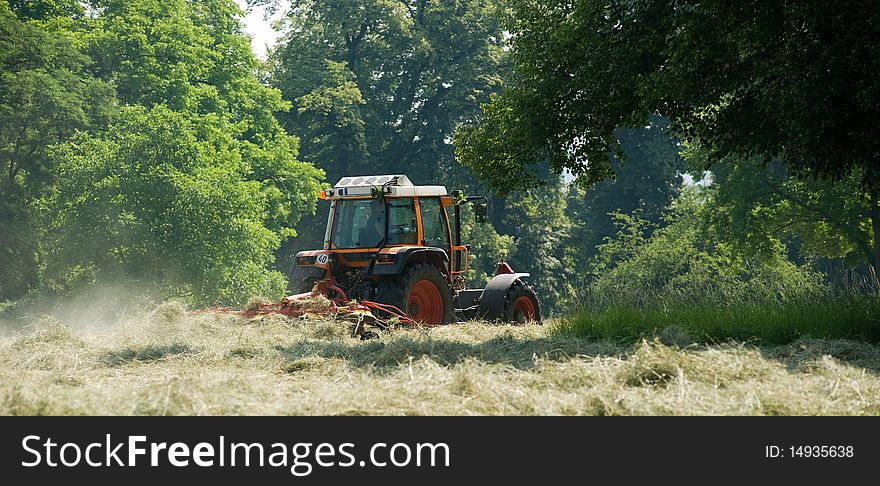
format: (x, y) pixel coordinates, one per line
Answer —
(171, 362)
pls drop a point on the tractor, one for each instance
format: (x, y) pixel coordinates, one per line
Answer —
(400, 245)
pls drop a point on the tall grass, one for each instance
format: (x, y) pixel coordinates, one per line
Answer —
(856, 317)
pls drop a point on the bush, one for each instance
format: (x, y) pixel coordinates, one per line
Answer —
(684, 278)
(685, 263)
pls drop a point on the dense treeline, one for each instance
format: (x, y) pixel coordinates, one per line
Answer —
(142, 140)
(139, 145)
(758, 92)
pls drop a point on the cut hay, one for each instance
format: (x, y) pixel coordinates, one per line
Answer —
(174, 362)
(256, 303)
(318, 305)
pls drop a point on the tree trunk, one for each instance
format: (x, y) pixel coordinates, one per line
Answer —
(875, 225)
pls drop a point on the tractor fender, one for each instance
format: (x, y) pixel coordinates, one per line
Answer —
(495, 293)
(411, 254)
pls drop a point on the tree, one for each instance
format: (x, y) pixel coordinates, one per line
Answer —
(421, 67)
(332, 128)
(795, 80)
(45, 9)
(540, 227)
(646, 183)
(194, 183)
(47, 93)
(169, 199)
(757, 205)
(487, 248)
(379, 86)
(332, 123)
(191, 56)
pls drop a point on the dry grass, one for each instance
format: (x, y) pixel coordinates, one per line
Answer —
(173, 362)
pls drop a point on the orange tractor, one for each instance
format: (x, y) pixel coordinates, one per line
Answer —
(396, 248)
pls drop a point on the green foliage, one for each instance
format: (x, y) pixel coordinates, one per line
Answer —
(192, 186)
(18, 242)
(746, 82)
(168, 200)
(141, 131)
(379, 86)
(403, 72)
(686, 263)
(190, 56)
(787, 78)
(756, 205)
(332, 120)
(646, 182)
(45, 9)
(47, 93)
(687, 279)
(538, 222)
(574, 83)
(487, 248)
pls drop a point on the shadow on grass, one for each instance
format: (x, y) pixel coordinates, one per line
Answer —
(386, 356)
(797, 346)
(801, 354)
(145, 354)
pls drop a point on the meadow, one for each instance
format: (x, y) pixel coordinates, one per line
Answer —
(169, 361)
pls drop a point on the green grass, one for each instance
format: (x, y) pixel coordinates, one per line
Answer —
(853, 317)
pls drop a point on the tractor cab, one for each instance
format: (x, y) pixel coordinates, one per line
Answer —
(396, 213)
(390, 241)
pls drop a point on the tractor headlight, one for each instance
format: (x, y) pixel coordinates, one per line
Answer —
(386, 257)
(305, 260)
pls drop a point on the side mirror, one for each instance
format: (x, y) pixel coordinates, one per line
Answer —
(481, 212)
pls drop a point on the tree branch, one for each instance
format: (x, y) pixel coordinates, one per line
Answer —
(351, 43)
(796, 221)
(412, 13)
(803, 204)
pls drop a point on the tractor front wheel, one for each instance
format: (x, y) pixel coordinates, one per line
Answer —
(421, 292)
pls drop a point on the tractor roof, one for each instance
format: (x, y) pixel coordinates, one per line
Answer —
(392, 185)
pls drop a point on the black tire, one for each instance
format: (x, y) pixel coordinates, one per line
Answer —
(530, 301)
(398, 291)
(302, 278)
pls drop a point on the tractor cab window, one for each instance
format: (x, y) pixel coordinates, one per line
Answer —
(402, 221)
(434, 225)
(358, 223)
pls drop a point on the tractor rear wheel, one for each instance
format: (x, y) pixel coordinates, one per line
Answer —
(421, 292)
(522, 304)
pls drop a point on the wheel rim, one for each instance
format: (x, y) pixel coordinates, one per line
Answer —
(425, 304)
(523, 309)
